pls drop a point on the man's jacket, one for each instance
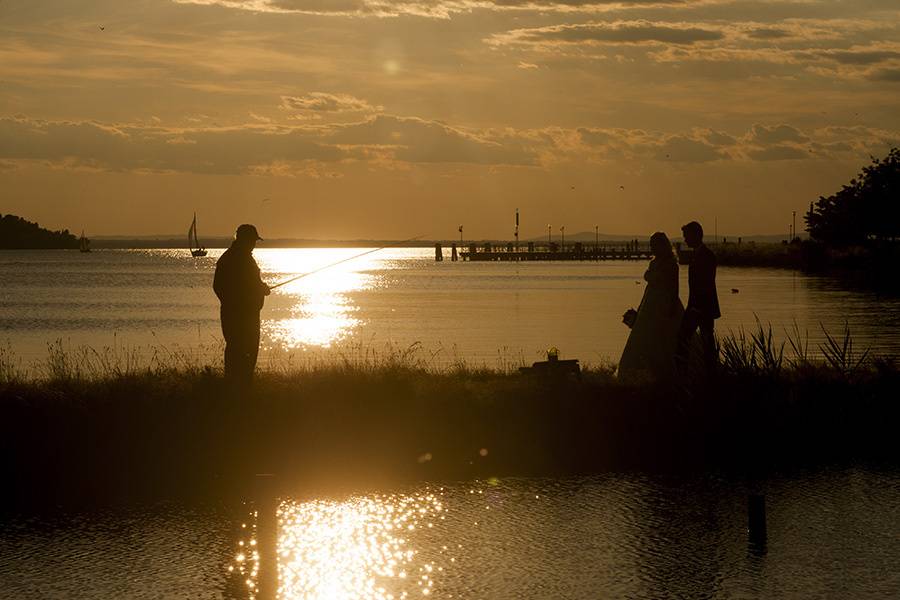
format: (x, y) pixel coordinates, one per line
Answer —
(702, 296)
(238, 283)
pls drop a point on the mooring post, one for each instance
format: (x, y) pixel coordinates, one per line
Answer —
(756, 522)
(438, 252)
(453, 255)
(266, 504)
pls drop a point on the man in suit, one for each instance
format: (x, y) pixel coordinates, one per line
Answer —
(241, 291)
(703, 302)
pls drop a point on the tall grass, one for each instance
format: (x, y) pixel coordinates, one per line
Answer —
(66, 362)
(746, 353)
(757, 353)
(799, 341)
(11, 368)
(840, 355)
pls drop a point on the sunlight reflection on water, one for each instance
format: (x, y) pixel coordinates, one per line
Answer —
(616, 536)
(362, 547)
(317, 310)
(831, 533)
(491, 314)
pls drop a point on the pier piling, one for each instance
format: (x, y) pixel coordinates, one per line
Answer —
(756, 521)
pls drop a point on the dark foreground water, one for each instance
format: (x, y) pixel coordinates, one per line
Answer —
(831, 534)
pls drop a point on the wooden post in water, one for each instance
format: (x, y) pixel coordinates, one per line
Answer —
(517, 230)
(453, 255)
(438, 252)
(266, 504)
(756, 522)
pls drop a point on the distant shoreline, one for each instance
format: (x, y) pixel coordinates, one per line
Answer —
(115, 243)
(862, 266)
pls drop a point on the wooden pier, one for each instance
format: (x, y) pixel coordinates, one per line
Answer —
(549, 252)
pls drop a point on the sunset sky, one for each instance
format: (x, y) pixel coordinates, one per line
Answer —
(377, 119)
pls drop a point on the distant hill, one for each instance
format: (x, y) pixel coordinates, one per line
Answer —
(17, 233)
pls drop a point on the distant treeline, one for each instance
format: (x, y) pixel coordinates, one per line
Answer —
(17, 233)
(864, 212)
(854, 232)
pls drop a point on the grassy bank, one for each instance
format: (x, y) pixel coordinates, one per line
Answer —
(165, 432)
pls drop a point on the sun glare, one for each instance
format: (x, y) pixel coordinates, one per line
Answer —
(360, 548)
(314, 310)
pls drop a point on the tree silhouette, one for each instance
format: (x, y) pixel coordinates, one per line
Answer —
(866, 209)
(16, 232)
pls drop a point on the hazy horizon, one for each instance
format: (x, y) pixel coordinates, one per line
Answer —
(556, 237)
(375, 119)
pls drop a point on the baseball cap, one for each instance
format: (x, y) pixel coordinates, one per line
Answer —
(247, 232)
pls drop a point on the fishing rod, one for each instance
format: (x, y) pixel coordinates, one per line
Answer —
(334, 264)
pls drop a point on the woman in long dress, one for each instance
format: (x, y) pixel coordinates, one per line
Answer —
(649, 353)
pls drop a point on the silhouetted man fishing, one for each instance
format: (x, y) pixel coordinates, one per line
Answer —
(241, 291)
(703, 301)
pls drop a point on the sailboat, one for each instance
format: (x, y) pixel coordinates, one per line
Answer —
(84, 244)
(193, 241)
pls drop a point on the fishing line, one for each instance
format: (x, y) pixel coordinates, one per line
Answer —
(334, 264)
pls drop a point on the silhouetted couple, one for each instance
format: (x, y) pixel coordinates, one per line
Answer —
(663, 332)
(241, 291)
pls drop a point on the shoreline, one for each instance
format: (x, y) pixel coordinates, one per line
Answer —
(806, 255)
(183, 435)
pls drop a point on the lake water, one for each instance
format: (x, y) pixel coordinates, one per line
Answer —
(160, 302)
(831, 534)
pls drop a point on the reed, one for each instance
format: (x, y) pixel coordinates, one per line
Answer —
(758, 354)
(801, 358)
(752, 354)
(839, 353)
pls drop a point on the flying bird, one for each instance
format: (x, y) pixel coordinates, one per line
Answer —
(734, 290)
(102, 28)
(621, 187)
